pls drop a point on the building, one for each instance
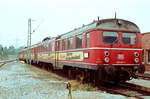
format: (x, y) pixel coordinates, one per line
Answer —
(146, 49)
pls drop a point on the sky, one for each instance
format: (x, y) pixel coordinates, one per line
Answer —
(55, 17)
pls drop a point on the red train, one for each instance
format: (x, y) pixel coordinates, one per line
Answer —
(104, 50)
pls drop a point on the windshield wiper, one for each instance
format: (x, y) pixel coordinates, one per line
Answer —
(115, 41)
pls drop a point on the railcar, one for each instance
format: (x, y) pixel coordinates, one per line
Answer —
(104, 50)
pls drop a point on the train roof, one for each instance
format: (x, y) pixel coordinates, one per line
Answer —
(110, 24)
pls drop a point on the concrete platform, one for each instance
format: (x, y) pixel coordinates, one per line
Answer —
(144, 83)
(147, 72)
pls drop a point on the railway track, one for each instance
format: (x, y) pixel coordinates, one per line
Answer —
(6, 61)
(126, 89)
(143, 76)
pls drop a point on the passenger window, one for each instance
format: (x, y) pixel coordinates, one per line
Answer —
(40, 48)
(60, 45)
(87, 40)
(64, 44)
(79, 41)
(70, 43)
(110, 37)
(53, 46)
(57, 45)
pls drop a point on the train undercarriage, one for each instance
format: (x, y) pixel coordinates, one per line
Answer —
(104, 73)
(107, 73)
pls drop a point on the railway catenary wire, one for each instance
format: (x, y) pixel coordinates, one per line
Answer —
(125, 89)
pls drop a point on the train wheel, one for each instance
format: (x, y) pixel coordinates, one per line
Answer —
(95, 79)
(43, 66)
(40, 65)
(124, 76)
(88, 76)
(80, 76)
(70, 72)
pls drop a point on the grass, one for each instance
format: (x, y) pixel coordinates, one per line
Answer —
(89, 88)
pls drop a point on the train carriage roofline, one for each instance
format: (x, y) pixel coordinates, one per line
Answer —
(41, 43)
(104, 24)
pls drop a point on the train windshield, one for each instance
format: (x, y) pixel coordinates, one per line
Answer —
(129, 38)
(110, 37)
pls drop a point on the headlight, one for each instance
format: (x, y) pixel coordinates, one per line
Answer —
(106, 59)
(136, 60)
(106, 53)
(136, 54)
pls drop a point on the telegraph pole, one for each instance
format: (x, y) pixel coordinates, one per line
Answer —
(29, 42)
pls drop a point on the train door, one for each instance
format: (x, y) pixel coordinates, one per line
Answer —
(56, 55)
(35, 53)
(57, 64)
(53, 54)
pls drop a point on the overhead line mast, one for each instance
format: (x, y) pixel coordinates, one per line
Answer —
(29, 42)
(30, 32)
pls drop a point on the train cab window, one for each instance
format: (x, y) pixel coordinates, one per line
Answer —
(64, 44)
(70, 43)
(129, 38)
(79, 41)
(87, 40)
(110, 37)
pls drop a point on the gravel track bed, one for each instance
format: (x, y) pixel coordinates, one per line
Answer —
(21, 81)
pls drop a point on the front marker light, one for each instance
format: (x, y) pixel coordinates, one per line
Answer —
(106, 59)
(106, 53)
(136, 60)
(136, 54)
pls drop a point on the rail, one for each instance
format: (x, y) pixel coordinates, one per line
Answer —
(126, 89)
(145, 76)
(6, 61)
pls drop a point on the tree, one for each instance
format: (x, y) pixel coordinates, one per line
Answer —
(1, 50)
(11, 51)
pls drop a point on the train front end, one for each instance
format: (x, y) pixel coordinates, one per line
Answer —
(119, 55)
